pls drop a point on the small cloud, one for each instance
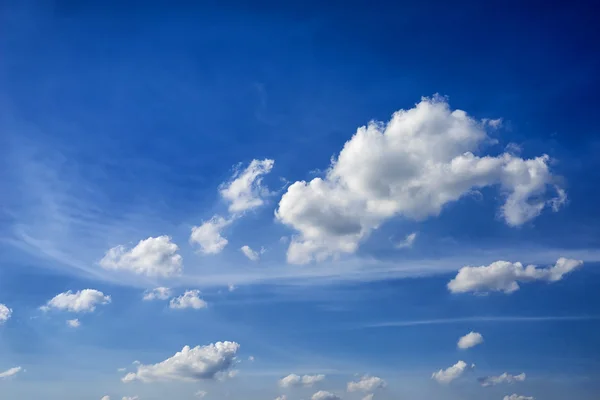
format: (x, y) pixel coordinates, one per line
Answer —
(366, 384)
(9, 373)
(73, 323)
(251, 254)
(504, 378)
(121, 369)
(324, 395)
(190, 299)
(449, 374)
(231, 287)
(201, 394)
(245, 191)
(208, 235)
(81, 301)
(251, 358)
(518, 397)
(471, 339)
(293, 380)
(5, 313)
(408, 241)
(159, 293)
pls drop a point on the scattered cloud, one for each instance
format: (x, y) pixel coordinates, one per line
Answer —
(9, 373)
(190, 299)
(250, 358)
(504, 276)
(159, 293)
(81, 301)
(408, 241)
(131, 398)
(471, 339)
(368, 397)
(323, 395)
(518, 397)
(201, 394)
(231, 287)
(190, 364)
(245, 191)
(73, 323)
(451, 373)
(105, 398)
(5, 313)
(293, 380)
(421, 160)
(155, 256)
(493, 123)
(504, 378)
(282, 397)
(121, 369)
(366, 384)
(208, 235)
(252, 254)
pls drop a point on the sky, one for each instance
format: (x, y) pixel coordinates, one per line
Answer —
(294, 201)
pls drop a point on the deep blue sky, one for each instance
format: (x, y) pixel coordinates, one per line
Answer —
(120, 121)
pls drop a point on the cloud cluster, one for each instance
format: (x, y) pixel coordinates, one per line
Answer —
(5, 313)
(451, 373)
(155, 256)
(471, 339)
(421, 160)
(190, 364)
(81, 301)
(504, 276)
(504, 378)
(189, 299)
(293, 380)
(366, 384)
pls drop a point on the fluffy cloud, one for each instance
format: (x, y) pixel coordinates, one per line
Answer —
(10, 372)
(208, 235)
(366, 384)
(293, 380)
(471, 339)
(323, 395)
(451, 373)
(159, 293)
(252, 254)
(5, 313)
(201, 394)
(81, 301)
(282, 397)
(518, 397)
(190, 364)
(245, 191)
(155, 256)
(414, 165)
(190, 299)
(408, 241)
(73, 323)
(504, 378)
(105, 398)
(504, 276)
(368, 397)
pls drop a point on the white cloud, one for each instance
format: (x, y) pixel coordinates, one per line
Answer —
(504, 276)
(190, 299)
(282, 397)
(408, 241)
(155, 256)
(231, 287)
(159, 293)
(10, 372)
(105, 398)
(471, 339)
(504, 378)
(250, 358)
(293, 380)
(366, 384)
(121, 369)
(323, 395)
(190, 364)
(252, 254)
(245, 191)
(81, 301)
(73, 323)
(414, 165)
(518, 397)
(5, 313)
(368, 397)
(201, 393)
(131, 398)
(451, 373)
(208, 235)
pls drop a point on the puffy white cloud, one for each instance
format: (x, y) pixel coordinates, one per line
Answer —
(451, 373)
(208, 235)
(414, 165)
(368, 397)
(245, 191)
(190, 299)
(293, 380)
(73, 323)
(155, 256)
(10, 372)
(518, 397)
(105, 398)
(504, 378)
(252, 254)
(323, 395)
(81, 301)
(504, 276)
(408, 241)
(201, 393)
(190, 364)
(366, 384)
(5, 313)
(471, 339)
(159, 293)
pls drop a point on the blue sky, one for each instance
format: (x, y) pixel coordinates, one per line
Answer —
(338, 192)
